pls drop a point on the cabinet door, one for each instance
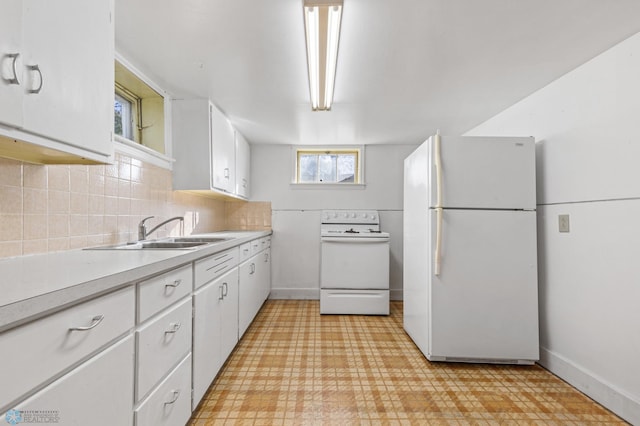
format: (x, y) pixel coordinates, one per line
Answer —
(243, 165)
(98, 392)
(264, 274)
(69, 97)
(229, 315)
(222, 152)
(10, 63)
(248, 294)
(207, 358)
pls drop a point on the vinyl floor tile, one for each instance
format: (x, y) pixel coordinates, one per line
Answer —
(296, 367)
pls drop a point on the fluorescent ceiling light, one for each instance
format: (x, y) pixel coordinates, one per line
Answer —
(322, 30)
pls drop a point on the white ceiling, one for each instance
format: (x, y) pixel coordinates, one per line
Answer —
(405, 67)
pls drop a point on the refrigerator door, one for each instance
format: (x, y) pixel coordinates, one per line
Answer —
(416, 241)
(483, 172)
(484, 304)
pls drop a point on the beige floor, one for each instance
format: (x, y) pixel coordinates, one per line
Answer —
(294, 366)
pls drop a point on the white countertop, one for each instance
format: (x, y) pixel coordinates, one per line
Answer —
(33, 286)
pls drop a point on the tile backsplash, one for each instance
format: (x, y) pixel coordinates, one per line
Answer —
(45, 208)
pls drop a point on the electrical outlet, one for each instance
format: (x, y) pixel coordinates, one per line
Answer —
(563, 223)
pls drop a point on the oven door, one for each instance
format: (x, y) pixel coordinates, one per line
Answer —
(354, 263)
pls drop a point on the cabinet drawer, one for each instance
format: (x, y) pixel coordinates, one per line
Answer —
(157, 293)
(245, 252)
(214, 266)
(80, 397)
(170, 402)
(256, 247)
(265, 242)
(161, 344)
(35, 352)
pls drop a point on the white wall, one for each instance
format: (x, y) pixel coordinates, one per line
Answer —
(296, 213)
(587, 127)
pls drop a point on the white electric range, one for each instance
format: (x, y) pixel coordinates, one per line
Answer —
(354, 271)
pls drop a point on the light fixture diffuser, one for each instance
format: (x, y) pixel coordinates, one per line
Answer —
(322, 29)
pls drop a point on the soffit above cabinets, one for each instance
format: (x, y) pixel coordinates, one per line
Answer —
(405, 68)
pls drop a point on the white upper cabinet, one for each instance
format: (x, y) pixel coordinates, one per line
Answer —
(243, 165)
(223, 152)
(208, 160)
(62, 103)
(11, 63)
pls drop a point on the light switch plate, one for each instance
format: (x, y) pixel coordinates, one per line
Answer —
(563, 223)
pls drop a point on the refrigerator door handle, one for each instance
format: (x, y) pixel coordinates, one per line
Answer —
(438, 164)
(437, 253)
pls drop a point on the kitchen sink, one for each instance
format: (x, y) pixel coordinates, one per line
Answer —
(174, 243)
(207, 240)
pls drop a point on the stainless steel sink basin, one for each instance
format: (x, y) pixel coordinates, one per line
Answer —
(170, 245)
(174, 243)
(207, 240)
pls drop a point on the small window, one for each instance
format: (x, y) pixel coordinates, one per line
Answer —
(123, 117)
(138, 110)
(328, 165)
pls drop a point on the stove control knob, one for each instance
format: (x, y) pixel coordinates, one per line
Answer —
(353, 215)
(346, 215)
(335, 214)
(364, 215)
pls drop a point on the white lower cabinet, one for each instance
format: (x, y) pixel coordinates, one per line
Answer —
(94, 364)
(99, 393)
(170, 402)
(36, 352)
(215, 329)
(264, 273)
(255, 286)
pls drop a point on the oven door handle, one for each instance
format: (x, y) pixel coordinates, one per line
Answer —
(357, 240)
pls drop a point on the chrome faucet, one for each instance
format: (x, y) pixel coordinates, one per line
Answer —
(142, 228)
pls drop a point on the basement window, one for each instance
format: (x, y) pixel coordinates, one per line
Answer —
(328, 165)
(138, 111)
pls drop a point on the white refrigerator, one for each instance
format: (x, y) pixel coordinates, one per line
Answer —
(470, 253)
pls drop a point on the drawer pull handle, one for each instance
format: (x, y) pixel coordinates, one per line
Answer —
(174, 284)
(246, 250)
(221, 293)
(225, 288)
(94, 323)
(253, 268)
(176, 395)
(15, 79)
(174, 327)
(36, 68)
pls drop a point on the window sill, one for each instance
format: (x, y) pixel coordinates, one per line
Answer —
(142, 153)
(332, 186)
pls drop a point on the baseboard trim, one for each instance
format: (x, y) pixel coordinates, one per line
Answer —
(314, 294)
(395, 294)
(295, 293)
(599, 390)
